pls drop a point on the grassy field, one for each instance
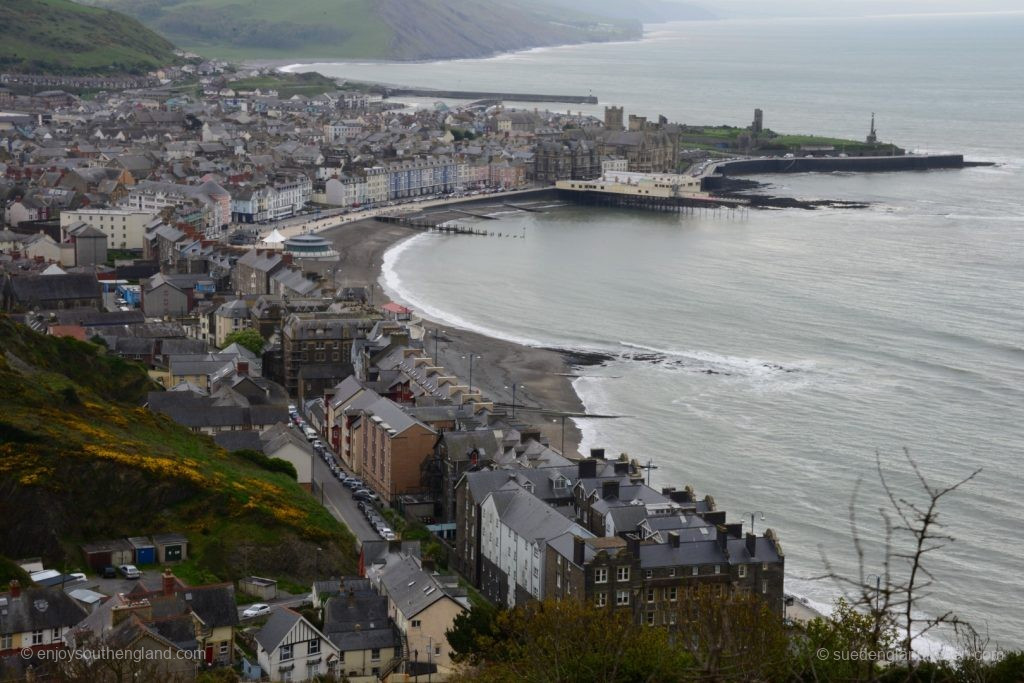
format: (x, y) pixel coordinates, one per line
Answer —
(62, 36)
(81, 461)
(308, 84)
(366, 29)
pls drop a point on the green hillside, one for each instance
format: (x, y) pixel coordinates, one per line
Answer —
(81, 460)
(369, 29)
(41, 36)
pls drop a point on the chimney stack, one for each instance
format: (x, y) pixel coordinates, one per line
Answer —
(673, 539)
(351, 597)
(609, 489)
(15, 589)
(242, 368)
(167, 582)
(735, 529)
(597, 453)
(752, 545)
(587, 469)
(722, 537)
(578, 550)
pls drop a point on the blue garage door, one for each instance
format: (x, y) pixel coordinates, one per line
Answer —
(145, 556)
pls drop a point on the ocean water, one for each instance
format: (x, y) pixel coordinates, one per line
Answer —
(771, 358)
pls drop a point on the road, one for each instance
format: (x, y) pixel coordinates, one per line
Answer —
(290, 601)
(338, 501)
(316, 223)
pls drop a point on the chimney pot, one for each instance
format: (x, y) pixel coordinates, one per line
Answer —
(15, 588)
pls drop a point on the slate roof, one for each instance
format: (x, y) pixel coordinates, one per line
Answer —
(278, 626)
(68, 287)
(379, 638)
(409, 587)
(247, 439)
(38, 608)
(529, 516)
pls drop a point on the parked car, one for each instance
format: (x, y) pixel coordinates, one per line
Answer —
(366, 494)
(258, 609)
(389, 536)
(109, 572)
(129, 571)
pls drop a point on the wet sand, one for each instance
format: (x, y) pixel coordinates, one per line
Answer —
(545, 374)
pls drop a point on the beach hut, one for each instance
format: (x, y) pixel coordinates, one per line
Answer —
(145, 551)
(170, 547)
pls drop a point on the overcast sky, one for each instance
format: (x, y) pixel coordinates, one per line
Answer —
(813, 8)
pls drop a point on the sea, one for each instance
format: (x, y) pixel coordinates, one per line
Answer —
(791, 363)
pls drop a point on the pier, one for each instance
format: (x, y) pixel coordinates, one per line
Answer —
(684, 205)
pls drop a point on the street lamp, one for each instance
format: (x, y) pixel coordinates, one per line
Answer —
(318, 551)
(759, 513)
(513, 387)
(878, 587)
(563, 432)
(471, 357)
(436, 332)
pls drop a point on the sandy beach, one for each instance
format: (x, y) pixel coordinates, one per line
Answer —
(545, 374)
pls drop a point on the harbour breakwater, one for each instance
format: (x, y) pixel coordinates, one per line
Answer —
(496, 96)
(813, 164)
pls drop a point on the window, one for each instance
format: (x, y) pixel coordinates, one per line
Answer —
(224, 648)
(622, 574)
(56, 635)
(601, 599)
(6, 641)
(621, 598)
(671, 617)
(764, 586)
(437, 650)
(696, 570)
(314, 646)
(375, 654)
(649, 573)
(718, 569)
(650, 618)
(286, 652)
(601, 575)
(416, 623)
(672, 593)
(671, 571)
(764, 566)
(37, 637)
(742, 570)
(558, 580)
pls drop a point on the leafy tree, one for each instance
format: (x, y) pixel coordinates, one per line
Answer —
(266, 462)
(570, 642)
(249, 339)
(473, 632)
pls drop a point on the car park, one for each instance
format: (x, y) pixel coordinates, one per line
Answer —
(129, 571)
(259, 609)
